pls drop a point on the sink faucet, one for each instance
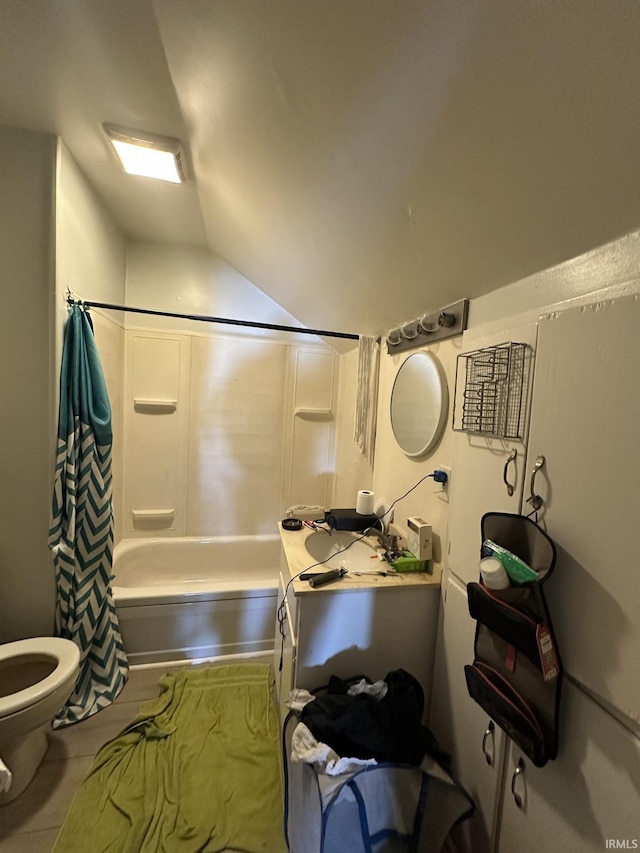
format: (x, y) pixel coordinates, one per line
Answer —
(388, 541)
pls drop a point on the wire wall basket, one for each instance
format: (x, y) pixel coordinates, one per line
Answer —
(491, 390)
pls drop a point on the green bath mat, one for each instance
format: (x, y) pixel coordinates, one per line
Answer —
(199, 769)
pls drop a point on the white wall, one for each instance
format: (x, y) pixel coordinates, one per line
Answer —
(394, 472)
(90, 248)
(606, 272)
(27, 589)
(614, 267)
(54, 233)
(190, 280)
(91, 262)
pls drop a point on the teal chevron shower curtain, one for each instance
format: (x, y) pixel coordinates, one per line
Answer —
(81, 534)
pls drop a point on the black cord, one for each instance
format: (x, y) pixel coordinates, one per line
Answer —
(281, 614)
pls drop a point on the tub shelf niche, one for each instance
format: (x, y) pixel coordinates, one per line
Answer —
(311, 413)
(155, 519)
(154, 407)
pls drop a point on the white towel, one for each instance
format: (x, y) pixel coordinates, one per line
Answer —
(5, 777)
(364, 432)
(298, 698)
(304, 747)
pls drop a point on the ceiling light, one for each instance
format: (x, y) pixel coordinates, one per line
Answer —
(148, 155)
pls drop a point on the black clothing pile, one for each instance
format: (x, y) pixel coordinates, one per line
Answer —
(362, 726)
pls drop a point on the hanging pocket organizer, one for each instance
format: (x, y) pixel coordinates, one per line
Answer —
(516, 675)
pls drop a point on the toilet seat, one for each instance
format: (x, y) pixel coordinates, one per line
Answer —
(64, 653)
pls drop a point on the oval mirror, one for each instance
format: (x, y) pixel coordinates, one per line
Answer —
(419, 402)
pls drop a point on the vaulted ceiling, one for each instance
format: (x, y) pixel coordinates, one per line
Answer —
(360, 161)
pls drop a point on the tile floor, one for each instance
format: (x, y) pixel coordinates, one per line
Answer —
(30, 824)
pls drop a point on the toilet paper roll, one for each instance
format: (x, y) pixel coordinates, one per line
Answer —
(364, 502)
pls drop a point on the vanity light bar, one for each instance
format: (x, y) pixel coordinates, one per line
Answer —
(447, 323)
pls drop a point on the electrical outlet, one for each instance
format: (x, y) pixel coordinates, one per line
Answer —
(445, 488)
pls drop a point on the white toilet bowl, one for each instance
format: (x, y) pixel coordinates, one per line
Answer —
(37, 676)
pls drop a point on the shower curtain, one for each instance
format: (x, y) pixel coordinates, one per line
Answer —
(81, 534)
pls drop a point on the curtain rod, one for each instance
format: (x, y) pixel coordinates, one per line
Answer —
(206, 319)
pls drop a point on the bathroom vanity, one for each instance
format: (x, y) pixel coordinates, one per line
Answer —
(362, 624)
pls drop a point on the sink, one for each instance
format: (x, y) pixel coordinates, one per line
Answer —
(361, 555)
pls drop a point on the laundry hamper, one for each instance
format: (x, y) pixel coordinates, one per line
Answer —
(385, 808)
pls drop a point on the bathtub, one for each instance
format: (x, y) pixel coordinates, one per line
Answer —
(192, 599)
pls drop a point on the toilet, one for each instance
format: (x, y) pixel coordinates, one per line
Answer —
(37, 676)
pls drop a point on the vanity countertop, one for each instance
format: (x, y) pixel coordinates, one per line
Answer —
(298, 560)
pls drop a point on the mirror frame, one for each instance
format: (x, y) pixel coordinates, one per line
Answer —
(437, 376)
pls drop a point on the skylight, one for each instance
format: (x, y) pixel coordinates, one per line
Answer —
(148, 155)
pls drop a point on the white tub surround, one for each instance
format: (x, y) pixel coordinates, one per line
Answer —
(367, 624)
(188, 599)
